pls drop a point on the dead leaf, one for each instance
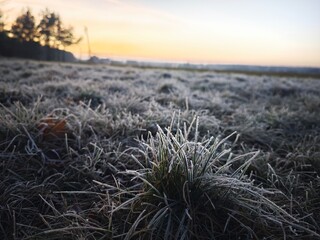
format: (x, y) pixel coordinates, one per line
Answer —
(53, 127)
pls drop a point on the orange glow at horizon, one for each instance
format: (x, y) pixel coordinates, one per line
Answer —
(215, 32)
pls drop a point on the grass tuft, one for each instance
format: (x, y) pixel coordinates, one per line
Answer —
(196, 189)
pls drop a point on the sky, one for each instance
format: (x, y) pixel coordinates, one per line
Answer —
(257, 32)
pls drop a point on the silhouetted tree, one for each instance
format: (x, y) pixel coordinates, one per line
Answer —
(48, 28)
(2, 30)
(25, 37)
(65, 37)
(52, 32)
(1, 22)
(24, 27)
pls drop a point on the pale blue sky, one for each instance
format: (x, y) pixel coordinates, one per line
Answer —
(264, 32)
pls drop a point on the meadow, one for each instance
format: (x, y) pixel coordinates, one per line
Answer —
(120, 152)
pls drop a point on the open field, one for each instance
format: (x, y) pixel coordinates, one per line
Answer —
(106, 152)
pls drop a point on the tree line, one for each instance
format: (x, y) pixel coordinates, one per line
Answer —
(49, 31)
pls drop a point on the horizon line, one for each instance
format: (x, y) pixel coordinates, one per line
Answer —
(191, 62)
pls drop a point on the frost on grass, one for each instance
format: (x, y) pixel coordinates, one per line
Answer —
(199, 189)
(93, 152)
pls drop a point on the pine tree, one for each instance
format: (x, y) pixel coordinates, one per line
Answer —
(24, 27)
(48, 28)
(52, 32)
(65, 37)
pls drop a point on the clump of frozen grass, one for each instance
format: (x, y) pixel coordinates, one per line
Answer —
(191, 189)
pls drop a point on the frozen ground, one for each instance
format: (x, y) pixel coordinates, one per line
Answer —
(70, 182)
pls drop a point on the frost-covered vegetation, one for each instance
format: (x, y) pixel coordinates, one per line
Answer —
(106, 152)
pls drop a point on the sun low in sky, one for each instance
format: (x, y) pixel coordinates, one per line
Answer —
(264, 32)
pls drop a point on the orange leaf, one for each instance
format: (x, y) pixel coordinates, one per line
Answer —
(53, 127)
